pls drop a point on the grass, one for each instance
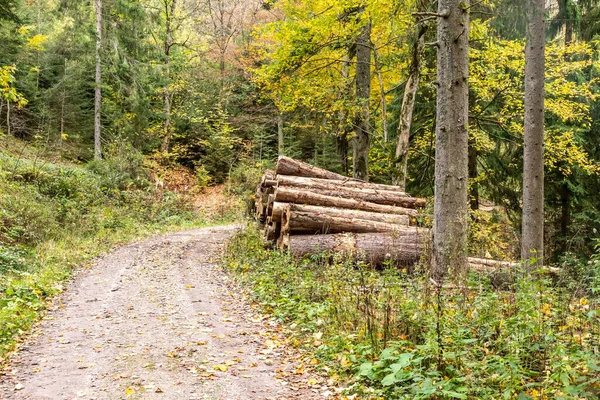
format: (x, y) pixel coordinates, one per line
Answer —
(56, 217)
(386, 333)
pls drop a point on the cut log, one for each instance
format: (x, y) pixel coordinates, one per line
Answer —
(328, 184)
(290, 195)
(403, 246)
(313, 219)
(277, 212)
(289, 166)
(270, 174)
(372, 196)
(278, 209)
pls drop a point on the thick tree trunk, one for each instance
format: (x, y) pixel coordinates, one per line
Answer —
(289, 195)
(98, 79)
(298, 195)
(363, 92)
(474, 186)
(407, 111)
(289, 166)
(327, 184)
(532, 245)
(280, 134)
(451, 146)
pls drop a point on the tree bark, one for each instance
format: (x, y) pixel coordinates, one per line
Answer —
(451, 145)
(474, 186)
(360, 157)
(98, 81)
(532, 245)
(289, 166)
(384, 124)
(290, 195)
(396, 199)
(317, 183)
(407, 111)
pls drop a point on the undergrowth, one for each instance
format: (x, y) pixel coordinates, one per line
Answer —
(387, 333)
(56, 216)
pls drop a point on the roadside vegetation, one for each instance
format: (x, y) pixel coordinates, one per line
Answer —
(57, 216)
(388, 333)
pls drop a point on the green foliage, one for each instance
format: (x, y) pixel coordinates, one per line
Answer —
(54, 217)
(389, 334)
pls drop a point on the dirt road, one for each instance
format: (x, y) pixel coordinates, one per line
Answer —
(157, 319)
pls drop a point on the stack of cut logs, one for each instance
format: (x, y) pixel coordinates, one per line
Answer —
(308, 210)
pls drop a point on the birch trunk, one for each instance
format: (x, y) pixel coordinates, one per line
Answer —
(532, 244)
(451, 154)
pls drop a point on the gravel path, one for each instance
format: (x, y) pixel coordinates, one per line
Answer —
(157, 319)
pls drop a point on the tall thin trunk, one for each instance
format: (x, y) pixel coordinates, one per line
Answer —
(169, 15)
(451, 145)
(565, 217)
(363, 92)
(407, 111)
(474, 186)
(384, 123)
(98, 91)
(7, 117)
(343, 129)
(532, 244)
(62, 101)
(280, 134)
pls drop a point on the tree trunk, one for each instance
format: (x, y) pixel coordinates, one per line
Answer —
(289, 166)
(290, 195)
(473, 186)
(532, 246)
(343, 128)
(363, 92)
(328, 184)
(565, 217)
(384, 124)
(407, 111)
(280, 208)
(169, 15)
(280, 133)
(451, 146)
(98, 90)
(396, 199)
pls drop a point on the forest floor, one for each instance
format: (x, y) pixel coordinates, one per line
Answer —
(157, 319)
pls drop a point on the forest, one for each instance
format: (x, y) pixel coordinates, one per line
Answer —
(120, 119)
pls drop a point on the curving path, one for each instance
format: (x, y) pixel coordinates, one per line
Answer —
(157, 319)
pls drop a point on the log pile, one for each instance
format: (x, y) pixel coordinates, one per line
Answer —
(307, 209)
